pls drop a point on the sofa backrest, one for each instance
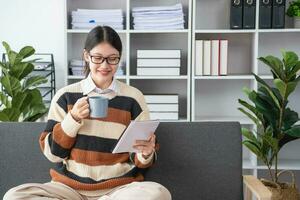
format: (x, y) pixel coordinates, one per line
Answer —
(196, 160)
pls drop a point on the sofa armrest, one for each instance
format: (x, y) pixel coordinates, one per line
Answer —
(254, 186)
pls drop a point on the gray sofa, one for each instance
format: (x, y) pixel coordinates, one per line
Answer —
(196, 160)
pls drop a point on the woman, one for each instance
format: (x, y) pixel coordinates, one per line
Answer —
(82, 145)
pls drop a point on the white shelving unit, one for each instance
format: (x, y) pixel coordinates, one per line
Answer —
(140, 39)
(201, 98)
(214, 98)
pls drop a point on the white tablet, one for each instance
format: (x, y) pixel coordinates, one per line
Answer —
(137, 130)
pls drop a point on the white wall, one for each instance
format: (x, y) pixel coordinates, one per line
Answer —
(38, 23)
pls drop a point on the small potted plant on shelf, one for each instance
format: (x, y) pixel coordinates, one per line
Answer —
(294, 11)
(275, 121)
(20, 100)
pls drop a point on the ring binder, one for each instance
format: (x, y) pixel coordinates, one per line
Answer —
(265, 13)
(236, 14)
(278, 19)
(249, 14)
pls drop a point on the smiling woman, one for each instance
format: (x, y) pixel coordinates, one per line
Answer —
(82, 145)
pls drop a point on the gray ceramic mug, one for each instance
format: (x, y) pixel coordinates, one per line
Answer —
(98, 106)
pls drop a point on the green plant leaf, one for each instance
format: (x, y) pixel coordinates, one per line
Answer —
(34, 81)
(262, 106)
(264, 94)
(4, 100)
(252, 109)
(249, 135)
(10, 84)
(254, 119)
(294, 131)
(247, 91)
(285, 88)
(11, 113)
(18, 100)
(293, 71)
(27, 70)
(35, 111)
(3, 65)
(21, 70)
(275, 65)
(3, 117)
(253, 148)
(26, 52)
(6, 46)
(290, 117)
(290, 59)
(270, 139)
(268, 88)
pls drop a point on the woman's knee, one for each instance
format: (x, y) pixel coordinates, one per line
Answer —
(16, 193)
(10, 194)
(158, 191)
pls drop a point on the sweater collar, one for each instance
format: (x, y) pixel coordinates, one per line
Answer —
(88, 86)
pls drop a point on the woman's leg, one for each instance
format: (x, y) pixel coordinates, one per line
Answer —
(35, 191)
(139, 191)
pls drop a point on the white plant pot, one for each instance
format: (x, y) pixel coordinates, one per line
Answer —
(297, 22)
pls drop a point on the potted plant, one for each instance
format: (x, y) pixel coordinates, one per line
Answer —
(275, 121)
(20, 100)
(294, 11)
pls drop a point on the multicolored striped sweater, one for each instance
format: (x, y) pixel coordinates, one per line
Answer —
(83, 150)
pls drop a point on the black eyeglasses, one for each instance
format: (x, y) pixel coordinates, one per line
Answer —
(112, 60)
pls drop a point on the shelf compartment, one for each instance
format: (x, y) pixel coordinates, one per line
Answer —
(154, 86)
(271, 43)
(73, 5)
(158, 41)
(185, 3)
(240, 50)
(217, 100)
(217, 17)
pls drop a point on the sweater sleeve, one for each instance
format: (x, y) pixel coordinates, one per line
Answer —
(143, 114)
(60, 133)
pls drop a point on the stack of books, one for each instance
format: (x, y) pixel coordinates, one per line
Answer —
(158, 62)
(163, 106)
(211, 57)
(76, 67)
(89, 18)
(157, 18)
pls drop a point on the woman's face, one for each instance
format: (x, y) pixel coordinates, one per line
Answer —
(103, 61)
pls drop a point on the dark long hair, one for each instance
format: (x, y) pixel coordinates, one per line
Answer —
(101, 34)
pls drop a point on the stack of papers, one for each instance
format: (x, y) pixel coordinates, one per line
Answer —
(76, 67)
(88, 18)
(157, 18)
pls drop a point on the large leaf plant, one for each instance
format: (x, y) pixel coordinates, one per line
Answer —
(275, 120)
(20, 100)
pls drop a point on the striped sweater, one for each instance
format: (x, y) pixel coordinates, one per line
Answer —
(83, 150)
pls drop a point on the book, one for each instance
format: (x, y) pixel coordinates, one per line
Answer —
(223, 57)
(136, 130)
(163, 107)
(199, 58)
(206, 57)
(215, 57)
(164, 115)
(161, 98)
(158, 53)
(157, 62)
(160, 71)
